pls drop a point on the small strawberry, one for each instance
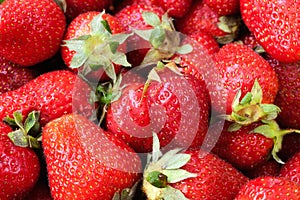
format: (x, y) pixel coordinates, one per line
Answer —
(13, 76)
(269, 188)
(174, 105)
(191, 174)
(85, 162)
(53, 94)
(31, 31)
(19, 168)
(91, 46)
(224, 7)
(291, 169)
(275, 25)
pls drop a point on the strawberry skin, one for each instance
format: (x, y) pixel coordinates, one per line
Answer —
(31, 31)
(19, 168)
(269, 188)
(291, 169)
(237, 68)
(85, 162)
(224, 7)
(275, 25)
(53, 94)
(13, 76)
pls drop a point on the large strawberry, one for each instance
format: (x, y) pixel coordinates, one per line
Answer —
(224, 7)
(30, 31)
(269, 187)
(175, 106)
(91, 46)
(19, 168)
(191, 174)
(53, 94)
(13, 76)
(275, 25)
(85, 162)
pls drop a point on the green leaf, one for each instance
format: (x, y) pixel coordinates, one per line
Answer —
(97, 25)
(10, 121)
(170, 193)
(271, 110)
(114, 46)
(110, 72)
(185, 49)
(31, 120)
(106, 25)
(33, 142)
(257, 94)
(121, 37)
(76, 44)
(18, 138)
(176, 175)
(120, 59)
(157, 37)
(246, 99)
(236, 100)
(167, 156)
(78, 60)
(265, 130)
(18, 117)
(177, 161)
(153, 76)
(156, 153)
(145, 34)
(234, 127)
(151, 18)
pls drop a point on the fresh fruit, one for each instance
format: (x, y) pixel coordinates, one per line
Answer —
(269, 188)
(224, 7)
(291, 169)
(191, 174)
(91, 46)
(19, 168)
(13, 76)
(31, 31)
(53, 94)
(175, 106)
(85, 162)
(275, 25)
(269, 167)
(290, 146)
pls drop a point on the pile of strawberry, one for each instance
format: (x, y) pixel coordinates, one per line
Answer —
(148, 99)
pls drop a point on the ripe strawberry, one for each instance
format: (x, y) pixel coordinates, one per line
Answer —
(242, 148)
(88, 46)
(19, 168)
(291, 169)
(85, 162)
(206, 41)
(224, 7)
(269, 188)
(239, 71)
(192, 174)
(53, 94)
(202, 18)
(288, 96)
(274, 25)
(267, 168)
(13, 76)
(31, 31)
(175, 106)
(75, 7)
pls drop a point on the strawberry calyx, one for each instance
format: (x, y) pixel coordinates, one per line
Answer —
(272, 130)
(250, 109)
(163, 37)
(62, 4)
(25, 134)
(162, 170)
(99, 49)
(127, 193)
(229, 24)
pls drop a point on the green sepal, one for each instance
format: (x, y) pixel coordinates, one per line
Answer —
(176, 175)
(157, 37)
(234, 127)
(18, 138)
(157, 179)
(184, 49)
(151, 18)
(127, 193)
(32, 121)
(170, 193)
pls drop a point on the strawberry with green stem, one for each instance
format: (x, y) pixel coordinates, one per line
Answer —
(91, 45)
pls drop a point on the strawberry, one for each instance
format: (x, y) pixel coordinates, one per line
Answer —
(41, 191)
(288, 96)
(85, 162)
(191, 174)
(291, 169)
(75, 7)
(207, 41)
(202, 18)
(90, 45)
(13, 76)
(269, 188)
(161, 105)
(267, 168)
(224, 7)
(19, 169)
(243, 73)
(274, 25)
(290, 146)
(31, 31)
(53, 94)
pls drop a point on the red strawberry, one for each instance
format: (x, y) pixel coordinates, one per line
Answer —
(288, 96)
(275, 25)
(19, 168)
(240, 71)
(88, 46)
(85, 162)
(269, 188)
(291, 169)
(202, 18)
(192, 174)
(13, 76)
(176, 106)
(53, 94)
(41, 191)
(267, 168)
(224, 7)
(75, 7)
(31, 31)
(207, 41)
